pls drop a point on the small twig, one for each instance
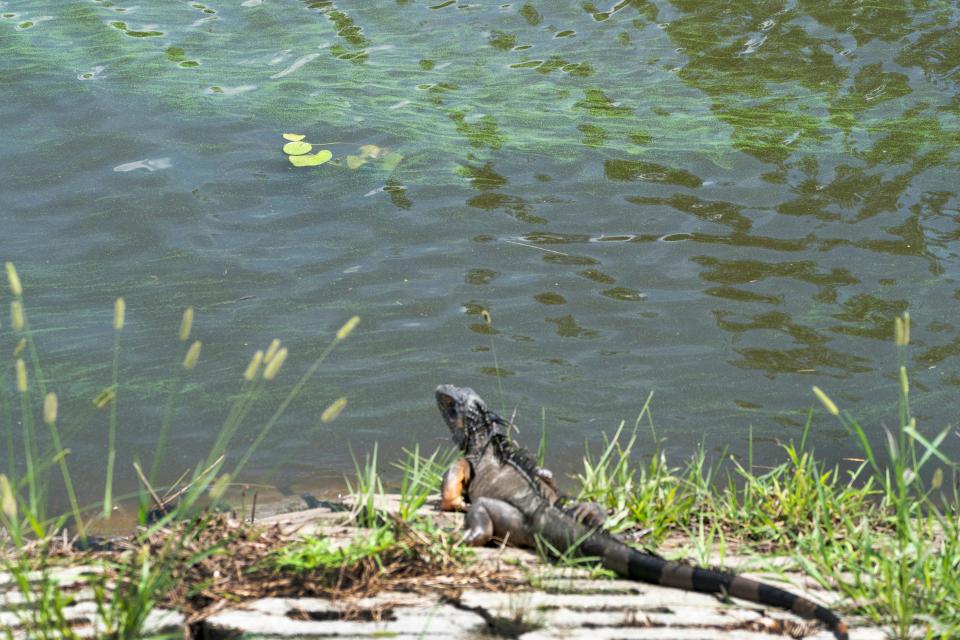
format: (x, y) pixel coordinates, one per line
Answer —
(533, 246)
(146, 483)
(174, 485)
(191, 483)
(253, 508)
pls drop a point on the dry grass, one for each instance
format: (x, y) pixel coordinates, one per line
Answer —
(223, 561)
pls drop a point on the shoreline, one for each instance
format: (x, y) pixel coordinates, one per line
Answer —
(504, 591)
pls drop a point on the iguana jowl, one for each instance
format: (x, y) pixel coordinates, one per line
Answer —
(510, 498)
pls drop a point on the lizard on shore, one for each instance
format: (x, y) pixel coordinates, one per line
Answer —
(507, 496)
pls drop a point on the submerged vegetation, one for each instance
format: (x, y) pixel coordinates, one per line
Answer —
(885, 535)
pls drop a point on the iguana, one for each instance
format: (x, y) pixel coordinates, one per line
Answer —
(512, 499)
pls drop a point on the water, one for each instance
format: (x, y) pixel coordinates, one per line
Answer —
(723, 203)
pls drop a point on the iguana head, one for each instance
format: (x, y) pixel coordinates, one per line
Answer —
(467, 416)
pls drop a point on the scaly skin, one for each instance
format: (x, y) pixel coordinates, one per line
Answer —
(506, 496)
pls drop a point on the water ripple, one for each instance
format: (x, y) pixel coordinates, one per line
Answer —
(296, 65)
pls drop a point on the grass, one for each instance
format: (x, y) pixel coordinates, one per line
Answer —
(30, 537)
(420, 478)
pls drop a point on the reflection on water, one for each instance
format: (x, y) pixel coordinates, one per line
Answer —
(724, 203)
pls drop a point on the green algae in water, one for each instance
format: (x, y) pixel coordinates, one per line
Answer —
(627, 170)
(502, 41)
(550, 298)
(594, 136)
(597, 103)
(531, 15)
(624, 293)
(176, 54)
(122, 26)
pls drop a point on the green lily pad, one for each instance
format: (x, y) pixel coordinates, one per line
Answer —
(355, 162)
(391, 160)
(318, 158)
(297, 148)
(294, 137)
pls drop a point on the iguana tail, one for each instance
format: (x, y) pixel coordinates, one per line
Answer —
(563, 533)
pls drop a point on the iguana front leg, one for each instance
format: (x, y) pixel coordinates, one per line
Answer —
(546, 477)
(455, 480)
(489, 518)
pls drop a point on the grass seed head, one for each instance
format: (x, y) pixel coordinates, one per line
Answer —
(7, 499)
(119, 314)
(193, 354)
(253, 367)
(270, 372)
(186, 324)
(898, 331)
(347, 327)
(271, 350)
(21, 345)
(827, 402)
(330, 413)
(21, 375)
(15, 287)
(50, 408)
(906, 328)
(104, 398)
(16, 315)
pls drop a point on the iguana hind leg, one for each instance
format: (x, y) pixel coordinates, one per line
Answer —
(588, 513)
(489, 518)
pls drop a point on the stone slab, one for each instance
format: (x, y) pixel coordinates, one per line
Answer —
(316, 618)
(16, 607)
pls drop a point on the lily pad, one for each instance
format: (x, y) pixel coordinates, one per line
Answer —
(370, 151)
(318, 158)
(294, 137)
(297, 148)
(355, 162)
(391, 160)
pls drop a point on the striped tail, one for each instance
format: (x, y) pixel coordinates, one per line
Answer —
(628, 562)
